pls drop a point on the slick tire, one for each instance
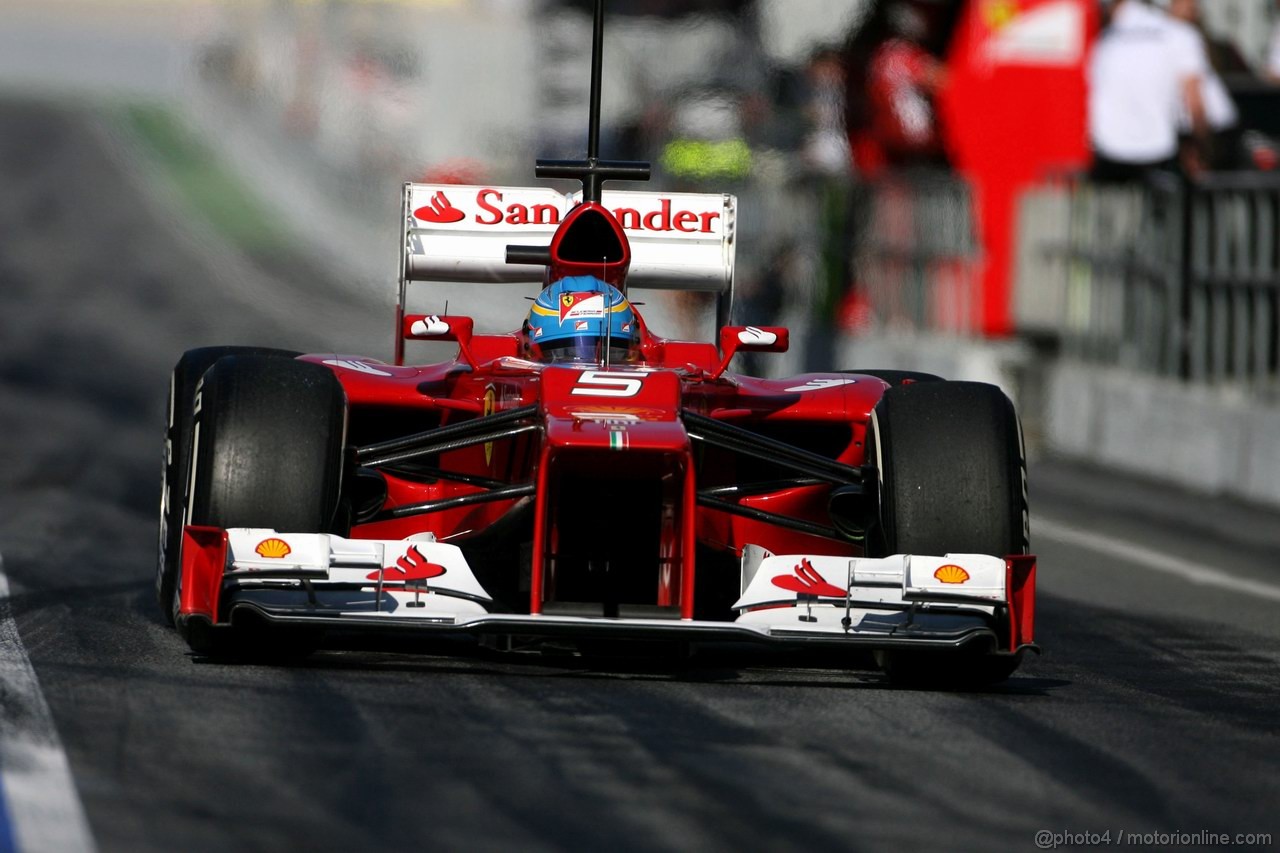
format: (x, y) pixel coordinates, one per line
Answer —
(267, 445)
(176, 460)
(267, 450)
(952, 479)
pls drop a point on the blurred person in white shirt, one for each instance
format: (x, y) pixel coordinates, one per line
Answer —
(1273, 53)
(1219, 110)
(1146, 79)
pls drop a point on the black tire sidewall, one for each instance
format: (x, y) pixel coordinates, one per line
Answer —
(175, 461)
(269, 451)
(951, 467)
(951, 470)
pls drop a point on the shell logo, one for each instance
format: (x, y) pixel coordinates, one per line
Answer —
(951, 574)
(273, 548)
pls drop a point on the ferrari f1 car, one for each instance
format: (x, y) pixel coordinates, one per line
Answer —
(585, 479)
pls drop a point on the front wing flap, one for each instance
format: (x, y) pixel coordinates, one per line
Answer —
(320, 579)
(915, 589)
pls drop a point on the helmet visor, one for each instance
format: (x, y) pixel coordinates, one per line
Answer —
(586, 349)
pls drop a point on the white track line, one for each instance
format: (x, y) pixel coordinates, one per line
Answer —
(1152, 559)
(44, 811)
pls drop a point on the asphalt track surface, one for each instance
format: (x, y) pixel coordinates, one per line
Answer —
(1153, 710)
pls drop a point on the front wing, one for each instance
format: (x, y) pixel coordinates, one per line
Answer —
(957, 600)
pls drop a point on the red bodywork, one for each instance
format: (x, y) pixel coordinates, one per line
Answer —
(610, 438)
(612, 431)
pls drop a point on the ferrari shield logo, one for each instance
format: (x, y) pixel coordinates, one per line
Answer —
(581, 305)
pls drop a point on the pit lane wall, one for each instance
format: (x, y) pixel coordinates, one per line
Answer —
(1211, 440)
(1162, 300)
(1215, 441)
(1146, 316)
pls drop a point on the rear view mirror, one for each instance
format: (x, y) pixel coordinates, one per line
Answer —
(736, 339)
(441, 327)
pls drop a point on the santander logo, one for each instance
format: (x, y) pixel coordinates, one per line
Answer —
(440, 212)
(490, 207)
(413, 566)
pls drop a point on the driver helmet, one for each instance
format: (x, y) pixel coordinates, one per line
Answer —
(575, 318)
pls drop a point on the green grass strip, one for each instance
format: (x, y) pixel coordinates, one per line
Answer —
(209, 189)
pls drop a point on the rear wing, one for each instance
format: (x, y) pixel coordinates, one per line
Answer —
(460, 234)
(679, 241)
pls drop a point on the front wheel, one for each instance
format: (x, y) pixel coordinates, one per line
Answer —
(267, 449)
(176, 459)
(952, 479)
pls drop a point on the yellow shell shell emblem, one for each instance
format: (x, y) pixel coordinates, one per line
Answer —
(951, 574)
(273, 548)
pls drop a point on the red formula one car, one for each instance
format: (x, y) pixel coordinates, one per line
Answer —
(583, 478)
